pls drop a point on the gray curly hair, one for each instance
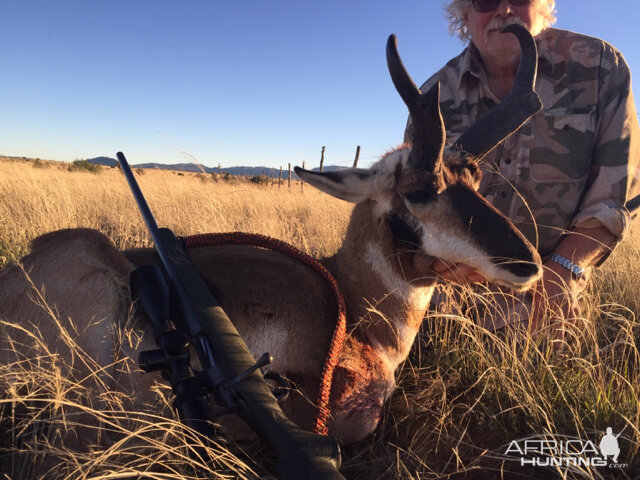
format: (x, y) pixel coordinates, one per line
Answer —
(454, 10)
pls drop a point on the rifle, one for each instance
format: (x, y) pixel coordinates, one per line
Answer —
(228, 368)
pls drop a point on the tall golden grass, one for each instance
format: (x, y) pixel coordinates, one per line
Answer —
(47, 196)
(464, 393)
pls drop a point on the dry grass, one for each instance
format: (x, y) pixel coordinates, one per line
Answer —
(464, 393)
(39, 199)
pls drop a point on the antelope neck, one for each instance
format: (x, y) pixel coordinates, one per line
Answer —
(385, 293)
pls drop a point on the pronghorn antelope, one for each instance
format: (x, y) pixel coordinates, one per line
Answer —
(418, 203)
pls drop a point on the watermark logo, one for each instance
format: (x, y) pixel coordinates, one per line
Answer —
(609, 445)
(548, 451)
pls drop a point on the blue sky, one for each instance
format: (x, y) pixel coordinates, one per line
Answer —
(234, 82)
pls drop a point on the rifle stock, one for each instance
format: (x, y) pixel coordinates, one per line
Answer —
(229, 367)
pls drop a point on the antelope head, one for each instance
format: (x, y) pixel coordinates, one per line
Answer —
(429, 192)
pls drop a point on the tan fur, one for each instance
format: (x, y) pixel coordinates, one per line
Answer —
(277, 305)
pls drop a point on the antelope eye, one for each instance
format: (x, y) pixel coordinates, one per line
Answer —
(422, 196)
(472, 168)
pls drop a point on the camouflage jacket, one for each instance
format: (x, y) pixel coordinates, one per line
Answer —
(576, 162)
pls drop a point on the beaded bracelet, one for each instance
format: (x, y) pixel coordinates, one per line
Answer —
(576, 270)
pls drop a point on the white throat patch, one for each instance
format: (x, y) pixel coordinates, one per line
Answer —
(394, 284)
(415, 298)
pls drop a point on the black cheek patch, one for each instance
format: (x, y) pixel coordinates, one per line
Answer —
(402, 231)
(420, 197)
(492, 231)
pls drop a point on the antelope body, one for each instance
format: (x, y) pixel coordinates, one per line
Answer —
(418, 203)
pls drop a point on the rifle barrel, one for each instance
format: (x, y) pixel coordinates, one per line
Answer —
(139, 197)
(300, 454)
(633, 204)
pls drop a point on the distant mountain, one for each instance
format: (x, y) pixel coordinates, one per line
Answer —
(191, 167)
(179, 167)
(105, 161)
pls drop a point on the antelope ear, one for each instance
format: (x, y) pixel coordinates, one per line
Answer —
(351, 184)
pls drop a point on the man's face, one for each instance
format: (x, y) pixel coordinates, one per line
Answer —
(484, 28)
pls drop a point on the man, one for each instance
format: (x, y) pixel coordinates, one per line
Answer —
(566, 175)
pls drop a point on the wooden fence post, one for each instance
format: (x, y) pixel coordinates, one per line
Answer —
(302, 181)
(322, 159)
(355, 162)
(289, 183)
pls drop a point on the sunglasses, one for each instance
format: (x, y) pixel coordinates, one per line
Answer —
(484, 6)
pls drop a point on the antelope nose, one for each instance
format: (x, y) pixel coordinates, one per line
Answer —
(523, 269)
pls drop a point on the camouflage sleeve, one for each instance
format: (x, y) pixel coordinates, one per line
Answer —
(615, 175)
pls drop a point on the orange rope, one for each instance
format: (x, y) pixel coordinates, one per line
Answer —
(339, 333)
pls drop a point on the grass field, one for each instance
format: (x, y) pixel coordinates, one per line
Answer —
(464, 394)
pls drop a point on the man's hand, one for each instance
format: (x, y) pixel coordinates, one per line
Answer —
(556, 294)
(460, 273)
(553, 298)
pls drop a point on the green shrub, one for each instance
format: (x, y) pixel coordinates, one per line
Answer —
(37, 163)
(84, 165)
(259, 179)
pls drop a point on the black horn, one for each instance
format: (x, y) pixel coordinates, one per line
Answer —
(516, 108)
(428, 127)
